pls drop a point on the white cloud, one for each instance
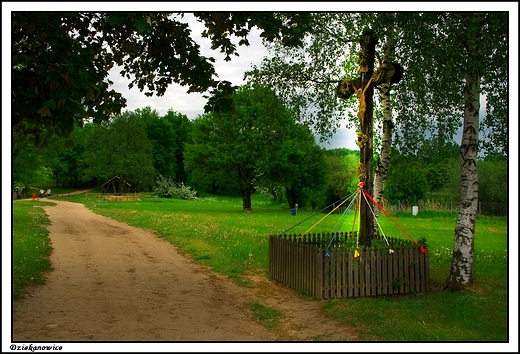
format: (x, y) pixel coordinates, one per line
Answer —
(344, 138)
(192, 104)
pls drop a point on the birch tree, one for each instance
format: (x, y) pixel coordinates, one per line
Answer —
(483, 40)
(329, 65)
(451, 61)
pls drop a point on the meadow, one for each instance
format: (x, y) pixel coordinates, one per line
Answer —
(216, 232)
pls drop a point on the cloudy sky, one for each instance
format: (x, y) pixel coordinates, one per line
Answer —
(192, 104)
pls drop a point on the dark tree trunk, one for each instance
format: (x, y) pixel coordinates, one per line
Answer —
(292, 197)
(246, 199)
(365, 138)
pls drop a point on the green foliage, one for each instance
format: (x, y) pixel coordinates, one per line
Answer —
(343, 177)
(19, 187)
(306, 78)
(163, 139)
(28, 162)
(493, 185)
(120, 148)
(406, 181)
(182, 132)
(167, 188)
(288, 28)
(443, 175)
(412, 178)
(250, 140)
(61, 60)
(422, 240)
(301, 168)
(64, 156)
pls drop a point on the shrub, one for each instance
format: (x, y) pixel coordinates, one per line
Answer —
(167, 188)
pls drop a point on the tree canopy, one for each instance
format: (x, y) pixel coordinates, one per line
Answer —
(61, 60)
(247, 142)
(120, 148)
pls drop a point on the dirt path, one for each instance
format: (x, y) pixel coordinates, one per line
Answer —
(114, 282)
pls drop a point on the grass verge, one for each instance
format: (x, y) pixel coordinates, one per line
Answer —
(31, 246)
(266, 316)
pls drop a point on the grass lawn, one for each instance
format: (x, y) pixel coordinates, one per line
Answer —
(31, 246)
(216, 232)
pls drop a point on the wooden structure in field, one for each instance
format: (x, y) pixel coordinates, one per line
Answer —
(116, 185)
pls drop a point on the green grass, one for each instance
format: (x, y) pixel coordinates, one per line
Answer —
(31, 246)
(438, 316)
(215, 232)
(266, 316)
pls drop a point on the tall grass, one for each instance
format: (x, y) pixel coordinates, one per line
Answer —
(215, 232)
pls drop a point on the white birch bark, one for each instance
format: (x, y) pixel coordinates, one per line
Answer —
(461, 273)
(386, 144)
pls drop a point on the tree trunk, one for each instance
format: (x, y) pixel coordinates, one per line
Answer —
(245, 193)
(386, 144)
(365, 138)
(461, 273)
(291, 196)
(388, 125)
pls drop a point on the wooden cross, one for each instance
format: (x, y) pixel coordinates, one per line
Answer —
(363, 88)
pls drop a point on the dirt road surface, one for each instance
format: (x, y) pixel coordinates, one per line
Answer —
(114, 282)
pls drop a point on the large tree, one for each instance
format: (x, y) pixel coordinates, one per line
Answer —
(458, 59)
(300, 167)
(480, 61)
(120, 148)
(182, 128)
(244, 141)
(61, 60)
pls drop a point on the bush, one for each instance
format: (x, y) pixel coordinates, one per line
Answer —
(167, 188)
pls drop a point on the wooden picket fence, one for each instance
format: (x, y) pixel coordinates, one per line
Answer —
(312, 265)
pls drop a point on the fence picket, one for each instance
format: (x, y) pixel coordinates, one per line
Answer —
(373, 279)
(343, 267)
(319, 272)
(385, 267)
(406, 268)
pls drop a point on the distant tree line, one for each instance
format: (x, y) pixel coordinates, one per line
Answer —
(432, 174)
(257, 146)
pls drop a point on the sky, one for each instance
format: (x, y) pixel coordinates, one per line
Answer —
(192, 104)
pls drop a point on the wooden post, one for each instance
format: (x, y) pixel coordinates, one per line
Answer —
(365, 138)
(363, 88)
